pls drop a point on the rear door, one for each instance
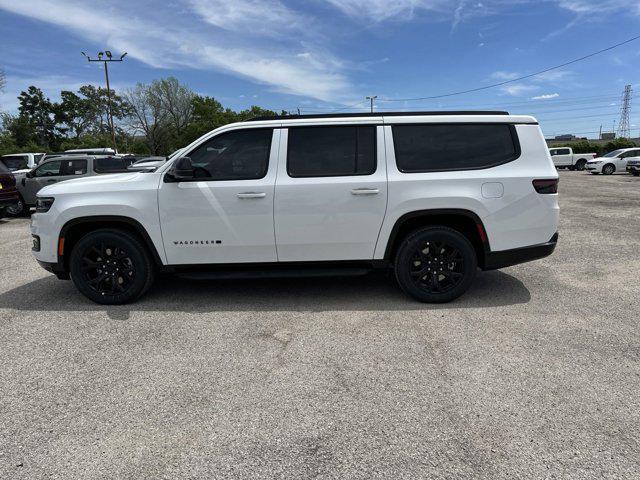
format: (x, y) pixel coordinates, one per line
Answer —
(331, 192)
(621, 161)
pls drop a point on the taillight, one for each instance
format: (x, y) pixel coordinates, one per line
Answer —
(546, 186)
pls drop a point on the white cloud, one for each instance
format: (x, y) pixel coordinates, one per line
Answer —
(546, 96)
(151, 38)
(252, 17)
(518, 89)
(502, 75)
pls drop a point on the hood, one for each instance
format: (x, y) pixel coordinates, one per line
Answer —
(97, 183)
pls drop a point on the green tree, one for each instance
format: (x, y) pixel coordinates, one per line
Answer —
(36, 119)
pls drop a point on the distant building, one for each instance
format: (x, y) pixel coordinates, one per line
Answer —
(567, 136)
(608, 136)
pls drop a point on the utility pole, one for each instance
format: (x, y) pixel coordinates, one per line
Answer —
(372, 98)
(600, 136)
(624, 127)
(106, 74)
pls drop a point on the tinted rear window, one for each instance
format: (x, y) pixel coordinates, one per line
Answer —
(438, 147)
(108, 164)
(331, 151)
(16, 162)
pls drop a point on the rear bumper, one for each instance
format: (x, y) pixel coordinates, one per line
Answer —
(507, 258)
(8, 200)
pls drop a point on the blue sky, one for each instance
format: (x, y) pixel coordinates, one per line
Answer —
(325, 55)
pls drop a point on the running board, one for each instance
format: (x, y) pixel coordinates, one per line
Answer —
(274, 273)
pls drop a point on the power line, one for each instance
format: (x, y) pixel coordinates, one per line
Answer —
(506, 82)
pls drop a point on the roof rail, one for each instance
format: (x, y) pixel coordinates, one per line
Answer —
(375, 114)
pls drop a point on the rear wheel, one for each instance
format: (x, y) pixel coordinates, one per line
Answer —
(635, 174)
(111, 267)
(580, 164)
(435, 264)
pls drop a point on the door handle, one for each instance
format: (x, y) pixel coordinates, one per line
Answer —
(365, 191)
(252, 195)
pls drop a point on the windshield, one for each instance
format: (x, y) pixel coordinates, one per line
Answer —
(615, 153)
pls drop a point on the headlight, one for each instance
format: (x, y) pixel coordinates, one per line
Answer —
(43, 204)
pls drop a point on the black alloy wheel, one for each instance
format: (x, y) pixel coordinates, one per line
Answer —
(436, 264)
(111, 267)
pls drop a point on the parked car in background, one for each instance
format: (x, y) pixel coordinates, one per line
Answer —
(91, 151)
(429, 196)
(8, 190)
(633, 166)
(16, 162)
(563, 157)
(612, 162)
(59, 169)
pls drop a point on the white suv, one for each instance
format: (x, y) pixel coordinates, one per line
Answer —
(432, 195)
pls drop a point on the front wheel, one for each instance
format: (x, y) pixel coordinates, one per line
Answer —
(435, 264)
(17, 209)
(608, 169)
(111, 267)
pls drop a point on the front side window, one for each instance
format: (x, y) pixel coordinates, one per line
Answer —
(49, 169)
(15, 162)
(564, 151)
(235, 155)
(447, 147)
(109, 164)
(553, 152)
(331, 151)
(74, 167)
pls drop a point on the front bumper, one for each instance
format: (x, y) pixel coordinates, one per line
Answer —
(56, 268)
(507, 258)
(9, 201)
(593, 168)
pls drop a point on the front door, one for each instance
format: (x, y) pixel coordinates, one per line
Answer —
(331, 193)
(225, 214)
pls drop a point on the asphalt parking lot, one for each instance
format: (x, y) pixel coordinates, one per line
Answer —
(534, 373)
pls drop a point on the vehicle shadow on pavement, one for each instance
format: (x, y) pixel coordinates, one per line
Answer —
(376, 291)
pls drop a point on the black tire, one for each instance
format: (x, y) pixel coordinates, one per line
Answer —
(18, 209)
(635, 174)
(594, 173)
(454, 272)
(608, 169)
(580, 164)
(111, 267)
(571, 169)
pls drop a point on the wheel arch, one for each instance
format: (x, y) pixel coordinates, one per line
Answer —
(466, 222)
(76, 228)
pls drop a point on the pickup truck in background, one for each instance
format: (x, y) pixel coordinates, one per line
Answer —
(563, 157)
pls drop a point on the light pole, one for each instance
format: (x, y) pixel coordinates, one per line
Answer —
(372, 98)
(106, 74)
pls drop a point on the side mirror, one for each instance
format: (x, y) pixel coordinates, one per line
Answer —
(30, 174)
(182, 170)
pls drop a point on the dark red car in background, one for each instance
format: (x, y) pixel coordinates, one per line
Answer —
(8, 192)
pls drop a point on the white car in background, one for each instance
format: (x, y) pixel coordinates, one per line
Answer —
(21, 162)
(564, 157)
(612, 162)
